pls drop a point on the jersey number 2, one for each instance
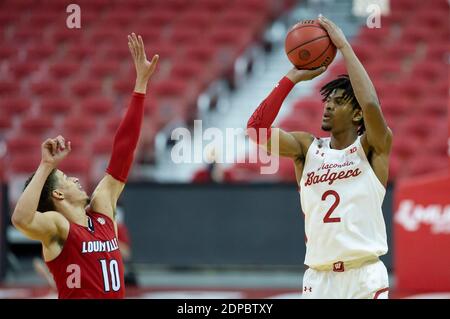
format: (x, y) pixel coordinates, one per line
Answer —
(113, 271)
(327, 218)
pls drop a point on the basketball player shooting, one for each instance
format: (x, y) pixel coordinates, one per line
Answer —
(79, 242)
(342, 178)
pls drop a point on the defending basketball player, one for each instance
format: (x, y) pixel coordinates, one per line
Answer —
(342, 178)
(79, 242)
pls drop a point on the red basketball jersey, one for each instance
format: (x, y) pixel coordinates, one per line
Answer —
(90, 264)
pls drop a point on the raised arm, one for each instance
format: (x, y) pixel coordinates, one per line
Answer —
(36, 225)
(378, 134)
(106, 194)
(290, 144)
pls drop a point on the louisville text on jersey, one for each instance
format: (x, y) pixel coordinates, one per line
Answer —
(99, 246)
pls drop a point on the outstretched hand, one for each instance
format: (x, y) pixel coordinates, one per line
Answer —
(296, 75)
(54, 150)
(144, 68)
(335, 33)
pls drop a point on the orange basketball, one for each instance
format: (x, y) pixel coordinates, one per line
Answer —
(308, 45)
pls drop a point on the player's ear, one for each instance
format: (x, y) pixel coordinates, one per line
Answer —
(57, 194)
(357, 115)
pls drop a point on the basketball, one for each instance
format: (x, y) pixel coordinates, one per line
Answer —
(308, 45)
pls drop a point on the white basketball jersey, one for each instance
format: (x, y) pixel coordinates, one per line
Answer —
(341, 198)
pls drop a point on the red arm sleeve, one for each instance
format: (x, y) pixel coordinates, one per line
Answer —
(126, 139)
(268, 110)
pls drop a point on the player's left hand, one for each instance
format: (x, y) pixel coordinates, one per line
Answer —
(335, 33)
(144, 68)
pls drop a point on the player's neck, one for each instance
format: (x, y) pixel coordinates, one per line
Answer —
(75, 214)
(343, 139)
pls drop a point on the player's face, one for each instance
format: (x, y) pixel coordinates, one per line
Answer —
(338, 112)
(71, 187)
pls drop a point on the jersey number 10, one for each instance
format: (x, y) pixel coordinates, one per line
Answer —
(112, 270)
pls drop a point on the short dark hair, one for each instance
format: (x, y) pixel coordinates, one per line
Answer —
(45, 201)
(343, 82)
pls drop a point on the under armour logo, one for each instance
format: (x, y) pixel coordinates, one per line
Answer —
(307, 288)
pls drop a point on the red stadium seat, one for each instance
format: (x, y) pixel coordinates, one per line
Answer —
(199, 20)
(7, 18)
(364, 51)
(151, 37)
(170, 88)
(190, 72)
(96, 106)
(425, 164)
(8, 88)
(102, 145)
(434, 106)
(24, 164)
(438, 52)
(41, 51)
(183, 36)
(85, 88)
(56, 105)
(418, 127)
(430, 71)
(103, 68)
(23, 69)
(118, 52)
(24, 144)
(376, 36)
(199, 53)
(14, 105)
(107, 34)
(80, 125)
(46, 87)
(158, 17)
(404, 5)
(78, 143)
(5, 123)
(174, 5)
(309, 106)
(7, 51)
(25, 33)
(45, 18)
(63, 35)
(38, 125)
(396, 105)
(120, 16)
(80, 51)
(212, 5)
(112, 124)
(401, 50)
(416, 33)
(395, 18)
(433, 18)
(404, 146)
(95, 6)
(64, 70)
(123, 87)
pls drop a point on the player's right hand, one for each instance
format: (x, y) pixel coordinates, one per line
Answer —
(296, 75)
(54, 150)
(144, 68)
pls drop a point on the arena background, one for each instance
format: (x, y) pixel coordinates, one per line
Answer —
(220, 230)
